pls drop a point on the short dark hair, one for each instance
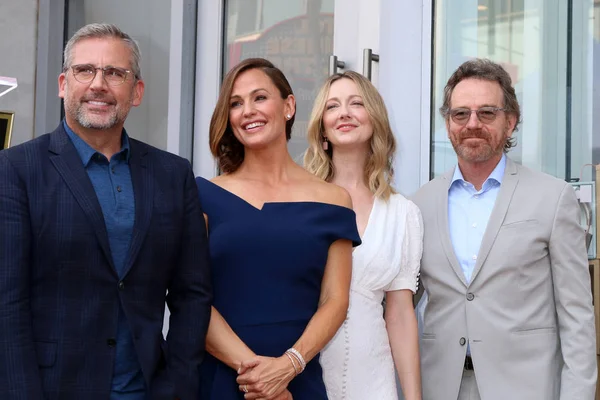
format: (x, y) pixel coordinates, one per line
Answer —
(481, 68)
(223, 144)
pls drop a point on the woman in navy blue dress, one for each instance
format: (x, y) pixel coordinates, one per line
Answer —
(280, 244)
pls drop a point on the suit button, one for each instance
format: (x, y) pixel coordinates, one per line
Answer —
(470, 296)
(462, 341)
(121, 285)
(111, 342)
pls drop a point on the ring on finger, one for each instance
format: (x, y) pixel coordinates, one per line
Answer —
(245, 388)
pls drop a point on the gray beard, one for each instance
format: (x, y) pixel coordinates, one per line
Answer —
(87, 123)
(467, 154)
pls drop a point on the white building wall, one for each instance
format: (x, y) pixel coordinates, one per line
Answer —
(18, 40)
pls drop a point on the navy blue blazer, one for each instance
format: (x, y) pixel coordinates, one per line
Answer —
(60, 293)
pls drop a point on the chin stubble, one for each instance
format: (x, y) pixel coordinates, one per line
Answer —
(86, 120)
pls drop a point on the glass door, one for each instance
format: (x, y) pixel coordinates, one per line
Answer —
(298, 36)
(549, 49)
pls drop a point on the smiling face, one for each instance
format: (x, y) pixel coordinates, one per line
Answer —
(96, 105)
(257, 113)
(476, 142)
(345, 119)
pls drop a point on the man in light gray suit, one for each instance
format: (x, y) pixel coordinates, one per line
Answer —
(504, 264)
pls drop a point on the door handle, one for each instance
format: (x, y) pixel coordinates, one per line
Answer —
(334, 64)
(368, 58)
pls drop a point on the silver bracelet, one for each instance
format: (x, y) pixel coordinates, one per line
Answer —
(298, 356)
(297, 360)
(293, 362)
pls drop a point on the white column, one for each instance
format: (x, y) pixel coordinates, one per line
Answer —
(208, 81)
(404, 82)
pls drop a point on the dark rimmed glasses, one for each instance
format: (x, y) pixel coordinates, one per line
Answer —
(86, 73)
(486, 115)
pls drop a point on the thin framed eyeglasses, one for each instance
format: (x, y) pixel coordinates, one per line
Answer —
(86, 73)
(486, 115)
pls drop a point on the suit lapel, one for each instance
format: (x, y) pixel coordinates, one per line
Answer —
(507, 189)
(443, 228)
(68, 163)
(143, 189)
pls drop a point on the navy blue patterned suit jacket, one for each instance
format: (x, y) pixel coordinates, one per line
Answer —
(60, 293)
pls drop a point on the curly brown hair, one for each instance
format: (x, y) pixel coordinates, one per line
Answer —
(487, 70)
(224, 146)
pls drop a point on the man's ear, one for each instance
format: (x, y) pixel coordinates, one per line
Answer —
(512, 123)
(62, 83)
(138, 93)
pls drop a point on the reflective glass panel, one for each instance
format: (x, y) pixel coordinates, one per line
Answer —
(151, 28)
(296, 36)
(531, 39)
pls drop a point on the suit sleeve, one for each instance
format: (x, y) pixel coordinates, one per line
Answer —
(416, 199)
(189, 298)
(19, 375)
(571, 278)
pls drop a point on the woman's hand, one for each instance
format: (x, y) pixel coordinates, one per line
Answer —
(286, 395)
(265, 377)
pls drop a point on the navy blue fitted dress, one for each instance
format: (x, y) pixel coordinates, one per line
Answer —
(267, 267)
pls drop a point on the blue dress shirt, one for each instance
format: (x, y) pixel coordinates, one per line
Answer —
(113, 186)
(469, 211)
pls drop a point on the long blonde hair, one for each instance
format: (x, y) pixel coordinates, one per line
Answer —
(378, 172)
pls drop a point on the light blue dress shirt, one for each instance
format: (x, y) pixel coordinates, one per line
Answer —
(469, 211)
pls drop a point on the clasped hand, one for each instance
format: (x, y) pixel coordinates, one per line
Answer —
(266, 378)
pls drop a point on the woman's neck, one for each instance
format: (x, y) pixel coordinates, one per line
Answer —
(271, 164)
(350, 169)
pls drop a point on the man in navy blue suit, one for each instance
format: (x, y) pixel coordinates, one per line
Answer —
(97, 230)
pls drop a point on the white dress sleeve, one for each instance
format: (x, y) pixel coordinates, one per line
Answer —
(411, 251)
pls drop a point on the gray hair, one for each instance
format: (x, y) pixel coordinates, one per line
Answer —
(95, 31)
(487, 70)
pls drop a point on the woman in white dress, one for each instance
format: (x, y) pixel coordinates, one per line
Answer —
(351, 144)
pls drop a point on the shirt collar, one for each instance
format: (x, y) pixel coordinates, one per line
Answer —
(86, 152)
(496, 175)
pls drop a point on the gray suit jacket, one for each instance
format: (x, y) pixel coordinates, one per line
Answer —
(527, 312)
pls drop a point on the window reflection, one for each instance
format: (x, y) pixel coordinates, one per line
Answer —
(148, 122)
(550, 49)
(594, 113)
(296, 36)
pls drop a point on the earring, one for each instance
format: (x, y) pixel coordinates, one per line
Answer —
(288, 116)
(325, 143)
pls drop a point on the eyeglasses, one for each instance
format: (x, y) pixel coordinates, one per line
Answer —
(86, 73)
(486, 115)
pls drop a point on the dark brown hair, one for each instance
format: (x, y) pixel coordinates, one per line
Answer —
(223, 144)
(480, 68)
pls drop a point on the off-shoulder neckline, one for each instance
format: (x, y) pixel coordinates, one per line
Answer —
(272, 203)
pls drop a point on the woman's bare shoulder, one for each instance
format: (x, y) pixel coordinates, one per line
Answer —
(227, 181)
(326, 192)
(220, 179)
